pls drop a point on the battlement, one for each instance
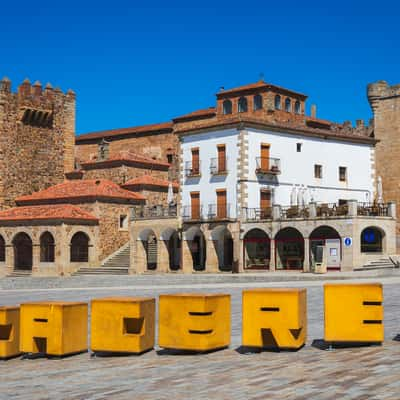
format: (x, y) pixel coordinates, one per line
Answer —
(380, 90)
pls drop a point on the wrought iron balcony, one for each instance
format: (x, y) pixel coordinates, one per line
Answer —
(192, 169)
(190, 213)
(154, 212)
(218, 166)
(219, 212)
(267, 165)
(373, 209)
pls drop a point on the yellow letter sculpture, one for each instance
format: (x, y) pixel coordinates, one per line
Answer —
(9, 332)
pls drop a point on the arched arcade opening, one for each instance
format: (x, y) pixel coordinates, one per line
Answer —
(325, 244)
(256, 250)
(289, 249)
(22, 245)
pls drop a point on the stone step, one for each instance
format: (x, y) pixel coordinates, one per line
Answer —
(379, 264)
(17, 274)
(101, 271)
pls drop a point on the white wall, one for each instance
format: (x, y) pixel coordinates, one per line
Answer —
(298, 168)
(207, 184)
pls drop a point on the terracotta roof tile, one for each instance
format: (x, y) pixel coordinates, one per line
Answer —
(126, 157)
(65, 212)
(206, 112)
(164, 126)
(149, 181)
(81, 190)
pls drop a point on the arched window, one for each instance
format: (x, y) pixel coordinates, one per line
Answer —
(227, 107)
(242, 105)
(297, 108)
(47, 247)
(2, 249)
(288, 105)
(277, 102)
(371, 240)
(258, 102)
(79, 247)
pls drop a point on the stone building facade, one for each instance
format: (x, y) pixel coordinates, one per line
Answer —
(37, 134)
(385, 104)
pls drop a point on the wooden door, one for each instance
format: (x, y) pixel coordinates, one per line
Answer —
(264, 157)
(221, 158)
(221, 203)
(265, 203)
(195, 204)
(195, 161)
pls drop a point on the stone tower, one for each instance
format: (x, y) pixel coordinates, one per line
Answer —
(385, 104)
(37, 137)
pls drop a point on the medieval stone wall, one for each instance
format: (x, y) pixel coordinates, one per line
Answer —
(37, 131)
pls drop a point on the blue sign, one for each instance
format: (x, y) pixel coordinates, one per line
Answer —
(369, 236)
(348, 241)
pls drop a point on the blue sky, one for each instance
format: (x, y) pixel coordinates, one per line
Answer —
(132, 63)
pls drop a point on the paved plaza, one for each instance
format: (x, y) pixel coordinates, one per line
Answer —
(311, 373)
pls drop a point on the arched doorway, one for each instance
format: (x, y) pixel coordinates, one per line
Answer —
(79, 247)
(22, 245)
(325, 239)
(172, 241)
(372, 240)
(256, 250)
(289, 249)
(223, 245)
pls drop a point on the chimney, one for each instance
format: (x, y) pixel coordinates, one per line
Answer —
(313, 111)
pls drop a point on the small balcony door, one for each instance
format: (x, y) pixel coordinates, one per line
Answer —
(264, 157)
(221, 203)
(265, 203)
(195, 205)
(221, 158)
(195, 161)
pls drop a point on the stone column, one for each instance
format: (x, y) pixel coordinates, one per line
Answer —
(272, 266)
(211, 255)
(237, 253)
(140, 259)
(35, 258)
(187, 261)
(306, 264)
(162, 256)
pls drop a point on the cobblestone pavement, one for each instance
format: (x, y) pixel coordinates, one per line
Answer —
(310, 373)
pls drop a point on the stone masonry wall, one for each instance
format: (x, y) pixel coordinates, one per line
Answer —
(37, 130)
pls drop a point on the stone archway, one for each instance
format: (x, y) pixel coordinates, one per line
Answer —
(329, 239)
(256, 249)
(23, 257)
(289, 249)
(150, 245)
(173, 245)
(223, 247)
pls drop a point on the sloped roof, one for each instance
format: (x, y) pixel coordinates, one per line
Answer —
(87, 190)
(150, 180)
(64, 212)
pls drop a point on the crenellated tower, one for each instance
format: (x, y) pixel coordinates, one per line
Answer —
(37, 136)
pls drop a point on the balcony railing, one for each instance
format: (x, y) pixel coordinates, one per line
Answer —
(190, 213)
(192, 169)
(290, 212)
(218, 166)
(257, 214)
(154, 212)
(219, 212)
(266, 165)
(331, 210)
(372, 209)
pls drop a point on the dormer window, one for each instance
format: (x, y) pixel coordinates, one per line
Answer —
(288, 105)
(242, 105)
(258, 102)
(297, 107)
(277, 102)
(227, 107)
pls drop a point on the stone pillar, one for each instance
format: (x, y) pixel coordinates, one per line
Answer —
(392, 209)
(238, 253)
(272, 266)
(306, 264)
(276, 212)
(211, 255)
(162, 256)
(187, 261)
(35, 257)
(352, 204)
(312, 208)
(140, 259)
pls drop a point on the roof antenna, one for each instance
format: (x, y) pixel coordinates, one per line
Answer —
(261, 76)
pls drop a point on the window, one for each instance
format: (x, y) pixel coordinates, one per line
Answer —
(277, 102)
(242, 105)
(258, 102)
(221, 203)
(298, 147)
(123, 222)
(47, 247)
(79, 247)
(297, 107)
(227, 107)
(195, 161)
(371, 240)
(221, 158)
(318, 171)
(342, 174)
(170, 158)
(288, 105)
(2, 249)
(195, 205)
